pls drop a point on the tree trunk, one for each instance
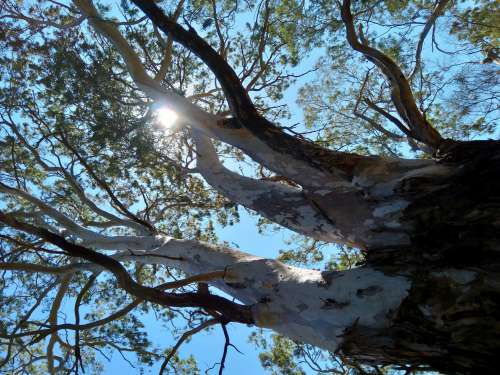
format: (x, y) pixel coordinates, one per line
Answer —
(430, 296)
(450, 319)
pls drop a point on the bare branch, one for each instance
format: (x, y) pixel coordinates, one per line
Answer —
(233, 311)
(72, 181)
(224, 351)
(56, 304)
(437, 11)
(389, 117)
(167, 58)
(103, 185)
(183, 338)
(28, 267)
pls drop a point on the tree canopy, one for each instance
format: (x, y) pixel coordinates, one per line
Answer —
(90, 172)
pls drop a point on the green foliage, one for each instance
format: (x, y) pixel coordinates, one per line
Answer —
(477, 22)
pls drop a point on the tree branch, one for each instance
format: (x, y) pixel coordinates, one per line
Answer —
(389, 117)
(167, 59)
(240, 103)
(280, 203)
(186, 110)
(437, 11)
(103, 185)
(72, 181)
(401, 94)
(233, 311)
(54, 310)
(183, 338)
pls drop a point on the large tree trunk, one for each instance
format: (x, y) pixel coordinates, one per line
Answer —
(450, 319)
(429, 295)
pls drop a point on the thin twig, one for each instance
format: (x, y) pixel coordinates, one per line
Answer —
(183, 338)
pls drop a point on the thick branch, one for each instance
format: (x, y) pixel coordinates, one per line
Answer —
(232, 310)
(269, 139)
(280, 203)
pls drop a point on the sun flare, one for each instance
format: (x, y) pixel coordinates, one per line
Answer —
(166, 117)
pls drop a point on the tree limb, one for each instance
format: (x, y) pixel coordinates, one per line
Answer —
(233, 311)
(437, 11)
(280, 203)
(183, 338)
(401, 94)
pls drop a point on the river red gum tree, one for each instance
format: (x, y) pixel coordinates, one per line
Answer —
(429, 290)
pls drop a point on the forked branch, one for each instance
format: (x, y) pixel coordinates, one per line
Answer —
(437, 11)
(401, 93)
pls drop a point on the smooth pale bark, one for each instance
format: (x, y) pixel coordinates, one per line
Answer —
(428, 294)
(364, 211)
(430, 290)
(308, 305)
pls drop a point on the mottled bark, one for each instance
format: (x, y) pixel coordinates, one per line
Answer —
(429, 293)
(450, 319)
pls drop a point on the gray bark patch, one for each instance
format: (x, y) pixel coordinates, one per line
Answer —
(328, 277)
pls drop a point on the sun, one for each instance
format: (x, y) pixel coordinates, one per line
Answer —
(166, 117)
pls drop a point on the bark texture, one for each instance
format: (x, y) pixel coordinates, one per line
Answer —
(450, 319)
(431, 296)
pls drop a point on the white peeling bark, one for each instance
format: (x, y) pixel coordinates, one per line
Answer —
(386, 185)
(282, 204)
(46, 210)
(308, 305)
